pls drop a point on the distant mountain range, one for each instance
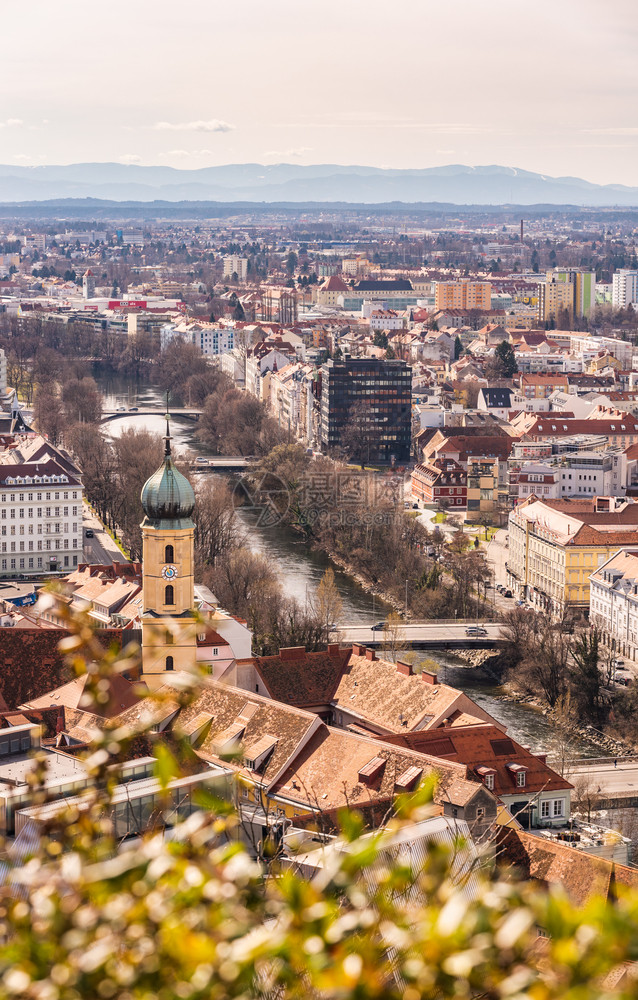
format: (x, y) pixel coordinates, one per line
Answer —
(286, 182)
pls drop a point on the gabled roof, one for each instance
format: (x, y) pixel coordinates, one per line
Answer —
(485, 746)
(335, 284)
(122, 695)
(498, 397)
(377, 693)
(582, 876)
(338, 768)
(304, 679)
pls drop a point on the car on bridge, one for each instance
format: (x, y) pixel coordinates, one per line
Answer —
(378, 627)
(475, 630)
(133, 409)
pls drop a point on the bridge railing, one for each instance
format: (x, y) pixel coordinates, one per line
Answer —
(593, 761)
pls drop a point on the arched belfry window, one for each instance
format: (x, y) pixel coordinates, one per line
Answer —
(169, 662)
(169, 554)
(169, 597)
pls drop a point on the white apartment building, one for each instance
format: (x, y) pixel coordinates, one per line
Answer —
(36, 240)
(40, 517)
(624, 288)
(233, 364)
(3, 373)
(211, 339)
(233, 264)
(613, 601)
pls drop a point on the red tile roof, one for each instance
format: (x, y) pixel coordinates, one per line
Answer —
(304, 679)
(484, 746)
(581, 875)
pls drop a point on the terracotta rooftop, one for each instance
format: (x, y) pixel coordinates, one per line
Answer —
(484, 746)
(581, 875)
(304, 679)
(376, 693)
(336, 768)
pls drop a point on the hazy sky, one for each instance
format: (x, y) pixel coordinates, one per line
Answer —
(549, 86)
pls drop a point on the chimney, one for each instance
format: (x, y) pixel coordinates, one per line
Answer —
(429, 677)
(370, 654)
(542, 757)
(358, 649)
(404, 668)
(333, 649)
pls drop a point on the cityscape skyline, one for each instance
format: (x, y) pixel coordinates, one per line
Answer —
(344, 88)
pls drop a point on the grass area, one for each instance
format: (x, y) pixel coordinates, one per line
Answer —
(439, 518)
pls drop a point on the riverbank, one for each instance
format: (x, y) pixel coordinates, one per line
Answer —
(486, 661)
(361, 581)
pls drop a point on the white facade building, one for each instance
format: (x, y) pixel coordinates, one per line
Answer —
(234, 264)
(40, 517)
(624, 289)
(613, 601)
(211, 338)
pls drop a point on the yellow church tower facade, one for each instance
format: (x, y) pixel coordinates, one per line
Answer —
(169, 633)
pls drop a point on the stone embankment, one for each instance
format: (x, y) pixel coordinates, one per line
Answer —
(488, 661)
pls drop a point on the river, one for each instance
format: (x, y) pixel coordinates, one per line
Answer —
(300, 570)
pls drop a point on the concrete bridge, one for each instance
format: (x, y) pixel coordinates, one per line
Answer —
(611, 782)
(175, 412)
(434, 635)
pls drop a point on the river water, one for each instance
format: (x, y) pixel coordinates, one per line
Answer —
(300, 570)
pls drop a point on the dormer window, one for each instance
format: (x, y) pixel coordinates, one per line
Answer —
(521, 779)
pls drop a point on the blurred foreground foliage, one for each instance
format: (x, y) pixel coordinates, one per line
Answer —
(196, 917)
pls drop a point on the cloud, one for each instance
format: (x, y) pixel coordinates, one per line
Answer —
(184, 153)
(294, 153)
(214, 125)
(128, 159)
(618, 130)
(11, 123)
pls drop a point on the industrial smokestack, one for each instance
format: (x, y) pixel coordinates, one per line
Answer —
(521, 230)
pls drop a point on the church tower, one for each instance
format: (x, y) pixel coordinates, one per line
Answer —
(169, 639)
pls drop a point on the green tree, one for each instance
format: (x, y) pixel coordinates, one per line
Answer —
(458, 348)
(504, 362)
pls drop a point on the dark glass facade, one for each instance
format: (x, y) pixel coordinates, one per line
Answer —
(379, 392)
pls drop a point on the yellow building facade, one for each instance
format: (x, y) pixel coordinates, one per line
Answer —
(169, 628)
(552, 554)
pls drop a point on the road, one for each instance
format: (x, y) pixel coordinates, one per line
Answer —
(100, 550)
(611, 780)
(496, 553)
(436, 632)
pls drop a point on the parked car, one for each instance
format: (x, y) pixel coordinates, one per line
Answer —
(618, 663)
(89, 533)
(378, 627)
(133, 409)
(520, 604)
(507, 593)
(121, 409)
(415, 506)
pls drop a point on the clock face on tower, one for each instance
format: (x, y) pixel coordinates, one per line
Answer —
(169, 572)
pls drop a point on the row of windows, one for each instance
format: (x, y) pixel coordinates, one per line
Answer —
(19, 512)
(48, 545)
(10, 498)
(49, 529)
(11, 563)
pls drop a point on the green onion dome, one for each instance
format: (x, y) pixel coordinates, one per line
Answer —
(167, 495)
